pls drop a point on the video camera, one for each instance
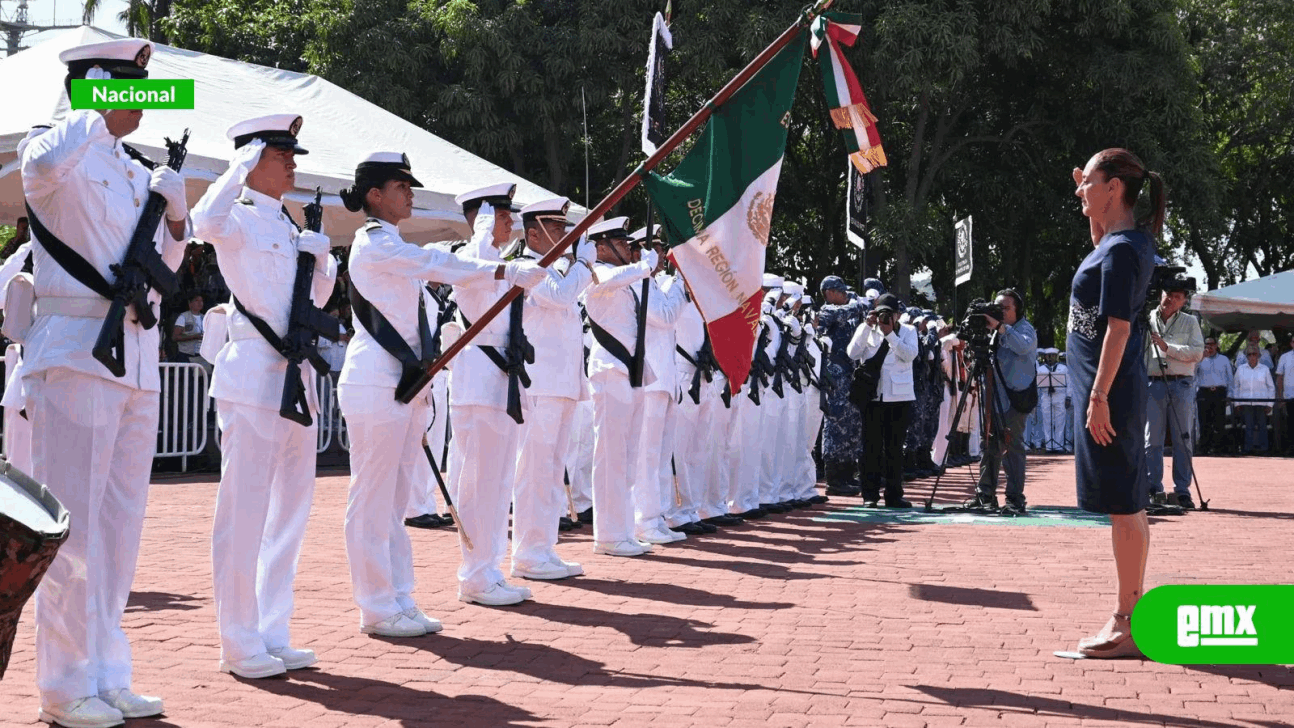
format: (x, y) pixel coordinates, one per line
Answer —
(974, 328)
(1169, 278)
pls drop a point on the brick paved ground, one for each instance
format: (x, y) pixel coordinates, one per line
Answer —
(792, 621)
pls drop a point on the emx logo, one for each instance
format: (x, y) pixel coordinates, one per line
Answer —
(1216, 625)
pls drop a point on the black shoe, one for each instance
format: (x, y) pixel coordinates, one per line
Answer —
(447, 519)
(1159, 498)
(924, 473)
(981, 502)
(753, 513)
(705, 527)
(909, 476)
(691, 529)
(774, 507)
(800, 503)
(586, 515)
(897, 503)
(726, 519)
(1013, 508)
(844, 491)
(871, 502)
(1185, 503)
(565, 524)
(426, 520)
(818, 499)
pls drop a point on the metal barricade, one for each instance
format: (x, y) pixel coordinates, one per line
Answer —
(182, 425)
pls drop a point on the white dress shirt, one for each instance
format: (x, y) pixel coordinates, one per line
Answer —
(89, 193)
(1286, 369)
(896, 370)
(256, 249)
(553, 325)
(1253, 383)
(612, 302)
(1213, 371)
(478, 381)
(391, 275)
(664, 305)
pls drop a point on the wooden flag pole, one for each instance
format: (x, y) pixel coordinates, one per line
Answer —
(628, 183)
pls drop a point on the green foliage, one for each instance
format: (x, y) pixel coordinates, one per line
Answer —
(984, 105)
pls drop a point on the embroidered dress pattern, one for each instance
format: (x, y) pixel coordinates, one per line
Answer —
(1082, 319)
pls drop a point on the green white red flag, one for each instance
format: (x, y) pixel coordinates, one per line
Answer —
(849, 108)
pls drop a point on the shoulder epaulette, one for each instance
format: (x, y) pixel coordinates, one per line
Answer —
(244, 201)
(372, 225)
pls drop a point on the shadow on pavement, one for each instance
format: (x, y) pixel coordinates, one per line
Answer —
(411, 707)
(1042, 708)
(971, 597)
(1249, 514)
(1278, 676)
(646, 630)
(671, 593)
(161, 601)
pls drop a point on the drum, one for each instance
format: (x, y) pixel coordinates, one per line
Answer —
(33, 524)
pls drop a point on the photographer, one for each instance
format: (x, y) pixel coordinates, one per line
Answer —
(1015, 350)
(886, 349)
(1174, 345)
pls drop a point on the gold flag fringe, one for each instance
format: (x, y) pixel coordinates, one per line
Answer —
(869, 159)
(854, 116)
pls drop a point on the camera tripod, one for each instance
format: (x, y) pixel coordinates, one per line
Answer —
(978, 378)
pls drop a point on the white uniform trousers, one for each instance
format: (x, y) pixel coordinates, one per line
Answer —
(617, 424)
(385, 445)
(745, 454)
(691, 467)
(487, 441)
(709, 448)
(93, 443)
(426, 492)
(538, 493)
(267, 482)
(790, 441)
(771, 426)
(653, 480)
(947, 407)
(579, 455)
(17, 439)
(813, 416)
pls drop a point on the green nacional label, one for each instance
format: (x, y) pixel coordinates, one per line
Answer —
(138, 93)
(1219, 625)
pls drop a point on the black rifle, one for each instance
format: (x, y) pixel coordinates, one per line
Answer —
(785, 365)
(519, 353)
(306, 323)
(760, 367)
(142, 269)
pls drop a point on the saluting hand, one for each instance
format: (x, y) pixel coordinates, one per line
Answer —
(247, 156)
(650, 258)
(585, 251)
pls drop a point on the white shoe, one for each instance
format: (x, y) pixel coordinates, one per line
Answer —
(132, 705)
(497, 595)
(572, 568)
(544, 572)
(257, 666)
(621, 548)
(88, 712)
(524, 591)
(661, 535)
(295, 659)
(397, 626)
(431, 625)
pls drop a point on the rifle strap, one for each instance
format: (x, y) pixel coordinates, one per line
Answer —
(385, 334)
(613, 346)
(694, 391)
(69, 260)
(262, 328)
(500, 358)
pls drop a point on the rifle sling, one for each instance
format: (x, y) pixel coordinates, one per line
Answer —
(69, 260)
(500, 358)
(385, 334)
(609, 342)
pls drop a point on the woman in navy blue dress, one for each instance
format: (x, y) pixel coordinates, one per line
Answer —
(1106, 327)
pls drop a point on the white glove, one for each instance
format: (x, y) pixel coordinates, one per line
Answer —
(651, 259)
(97, 74)
(484, 219)
(767, 308)
(586, 251)
(247, 156)
(524, 273)
(169, 184)
(317, 244)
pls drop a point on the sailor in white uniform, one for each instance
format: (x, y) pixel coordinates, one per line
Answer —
(557, 383)
(94, 433)
(267, 469)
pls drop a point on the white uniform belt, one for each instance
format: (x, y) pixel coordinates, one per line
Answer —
(240, 328)
(75, 306)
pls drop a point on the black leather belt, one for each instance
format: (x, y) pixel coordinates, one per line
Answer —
(1171, 377)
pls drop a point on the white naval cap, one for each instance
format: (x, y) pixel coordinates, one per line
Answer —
(124, 58)
(554, 209)
(378, 167)
(772, 281)
(793, 289)
(640, 234)
(499, 196)
(276, 130)
(615, 227)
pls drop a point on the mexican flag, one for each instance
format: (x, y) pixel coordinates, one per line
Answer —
(716, 207)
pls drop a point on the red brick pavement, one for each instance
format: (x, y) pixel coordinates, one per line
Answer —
(790, 621)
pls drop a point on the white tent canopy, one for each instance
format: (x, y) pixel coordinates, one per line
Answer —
(339, 129)
(1263, 303)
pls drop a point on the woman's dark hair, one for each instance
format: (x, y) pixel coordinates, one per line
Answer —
(1126, 166)
(1015, 296)
(355, 197)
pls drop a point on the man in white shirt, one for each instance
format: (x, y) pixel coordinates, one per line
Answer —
(1285, 393)
(1212, 382)
(557, 382)
(1255, 340)
(612, 304)
(187, 331)
(887, 348)
(94, 433)
(267, 472)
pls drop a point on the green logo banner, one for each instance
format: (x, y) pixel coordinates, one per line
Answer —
(139, 93)
(1218, 625)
